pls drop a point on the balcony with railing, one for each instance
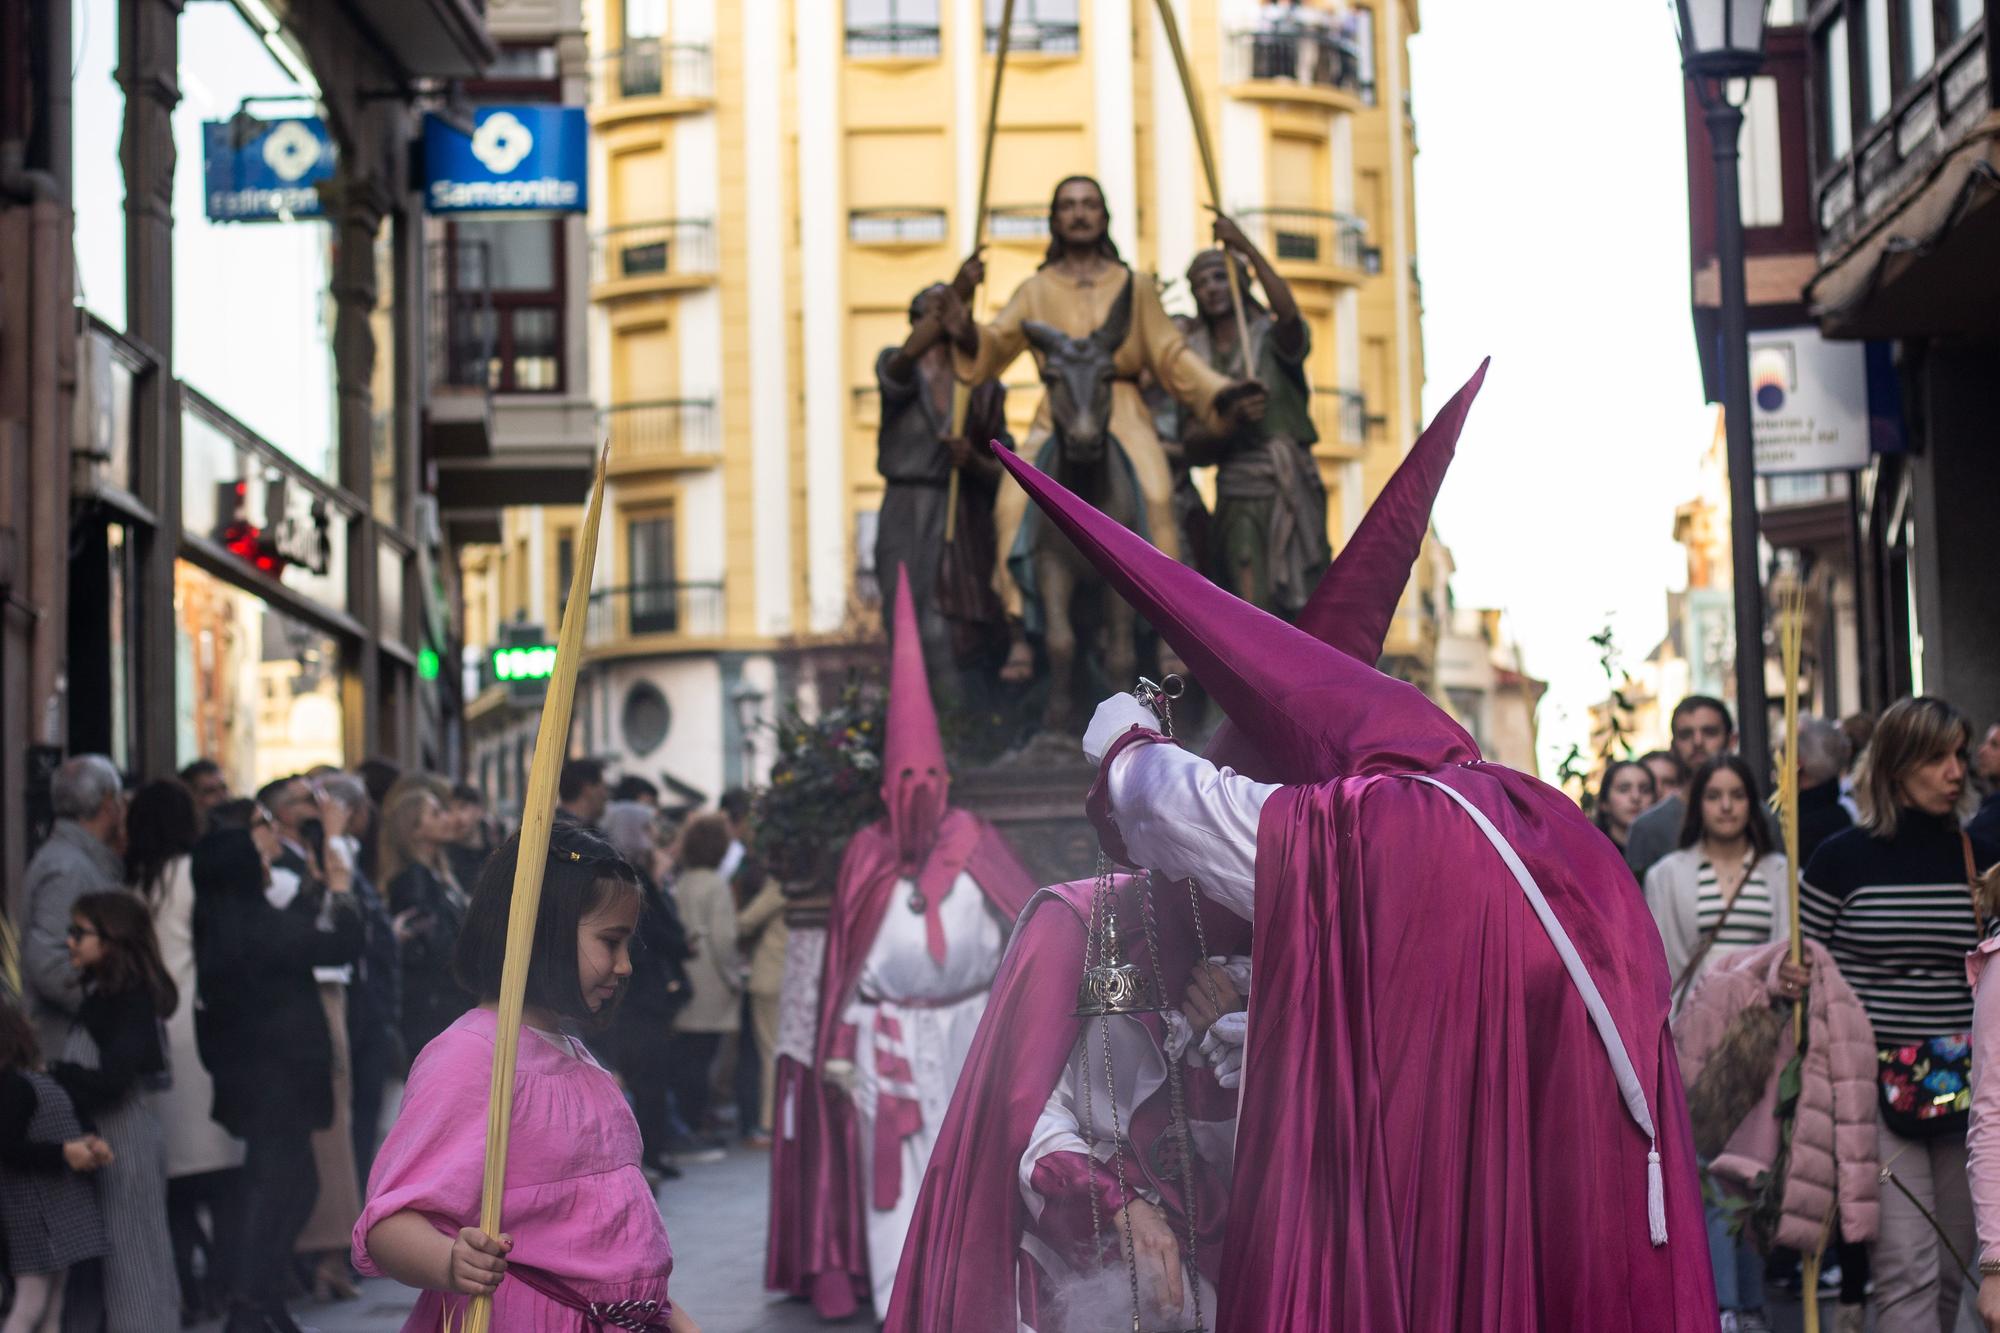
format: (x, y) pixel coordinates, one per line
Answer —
(640, 257)
(651, 77)
(1296, 64)
(460, 328)
(1018, 222)
(662, 434)
(1340, 416)
(1314, 243)
(693, 609)
(1038, 36)
(896, 226)
(893, 41)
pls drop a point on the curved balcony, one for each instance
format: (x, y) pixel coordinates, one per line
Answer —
(1314, 244)
(662, 435)
(647, 610)
(1022, 223)
(651, 77)
(896, 226)
(1296, 64)
(893, 41)
(639, 258)
(1044, 37)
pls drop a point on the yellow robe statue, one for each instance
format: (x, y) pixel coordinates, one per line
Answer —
(1052, 297)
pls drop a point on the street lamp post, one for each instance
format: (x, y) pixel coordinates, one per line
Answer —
(1723, 41)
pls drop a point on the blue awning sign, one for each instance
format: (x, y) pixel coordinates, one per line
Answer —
(518, 159)
(265, 170)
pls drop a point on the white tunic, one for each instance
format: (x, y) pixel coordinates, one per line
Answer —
(901, 982)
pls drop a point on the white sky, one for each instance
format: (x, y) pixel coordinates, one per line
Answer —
(1552, 234)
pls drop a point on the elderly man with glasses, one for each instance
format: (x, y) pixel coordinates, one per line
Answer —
(84, 854)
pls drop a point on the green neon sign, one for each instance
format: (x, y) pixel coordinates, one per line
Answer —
(525, 662)
(427, 664)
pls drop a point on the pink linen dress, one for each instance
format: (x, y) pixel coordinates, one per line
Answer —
(579, 1209)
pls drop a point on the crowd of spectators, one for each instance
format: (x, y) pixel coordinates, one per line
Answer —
(220, 995)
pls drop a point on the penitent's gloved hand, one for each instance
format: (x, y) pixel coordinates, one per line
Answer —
(1114, 717)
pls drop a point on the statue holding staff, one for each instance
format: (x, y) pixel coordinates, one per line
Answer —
(1074, 293)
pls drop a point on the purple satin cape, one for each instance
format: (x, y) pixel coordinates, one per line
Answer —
(818, 1240)
(959, 1272)
(1431, 1139)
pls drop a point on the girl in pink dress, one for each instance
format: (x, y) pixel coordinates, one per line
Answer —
(585, 1247)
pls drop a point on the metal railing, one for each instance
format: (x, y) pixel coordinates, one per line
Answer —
(1340, 415)
(1304, 56)
(1041, 36)
(1312, 236)
(893, 226)
(459, 316)
(668, 248)
(663, 429)
(651, 67)
(904, 40)
(655, 608)
(1018, 222)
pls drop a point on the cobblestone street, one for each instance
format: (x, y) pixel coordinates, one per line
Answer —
(715, 1215)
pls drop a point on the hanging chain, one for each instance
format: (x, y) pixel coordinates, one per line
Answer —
(1178, 1114)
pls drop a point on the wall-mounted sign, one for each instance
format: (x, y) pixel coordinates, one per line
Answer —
(1808, 402)
(534, 661)
(292, 529)
(264, 170)
(518, 159)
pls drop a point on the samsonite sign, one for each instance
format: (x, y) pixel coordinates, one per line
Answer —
(518, 159)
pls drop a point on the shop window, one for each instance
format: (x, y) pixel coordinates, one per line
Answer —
(253, 313)
(237, 496)
(97, 176)
(234, 652)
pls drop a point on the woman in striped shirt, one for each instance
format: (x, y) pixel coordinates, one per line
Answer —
(1716, 895)
(1890, 899)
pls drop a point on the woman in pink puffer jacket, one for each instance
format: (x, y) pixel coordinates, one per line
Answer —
(1834, 1157)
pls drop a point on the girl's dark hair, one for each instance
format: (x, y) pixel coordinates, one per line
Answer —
(1105, 245)
(583, 873)
(1756, 827)
(705, 842)
(18, 1047)
(162, 823)
(131, 953)
(1602, 817)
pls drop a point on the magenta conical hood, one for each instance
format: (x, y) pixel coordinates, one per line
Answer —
(1356, 599)
(1312, 712)
(915, 779)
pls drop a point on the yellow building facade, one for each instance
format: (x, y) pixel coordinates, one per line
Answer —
(773, 180)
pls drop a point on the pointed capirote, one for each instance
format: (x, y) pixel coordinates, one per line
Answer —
(1356, 599)
(1312, 712)
(915, 778)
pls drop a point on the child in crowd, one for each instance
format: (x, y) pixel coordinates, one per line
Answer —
(115, 1054)
(585, 1246)
(48, 1210)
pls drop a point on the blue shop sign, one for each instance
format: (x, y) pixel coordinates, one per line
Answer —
(518, 159)
(264, 170)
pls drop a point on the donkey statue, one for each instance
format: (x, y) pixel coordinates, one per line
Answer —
(1078, 374)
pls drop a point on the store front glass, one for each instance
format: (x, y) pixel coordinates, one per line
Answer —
(253, 311)
(259, 690)
(238, 499)
(97, 176)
